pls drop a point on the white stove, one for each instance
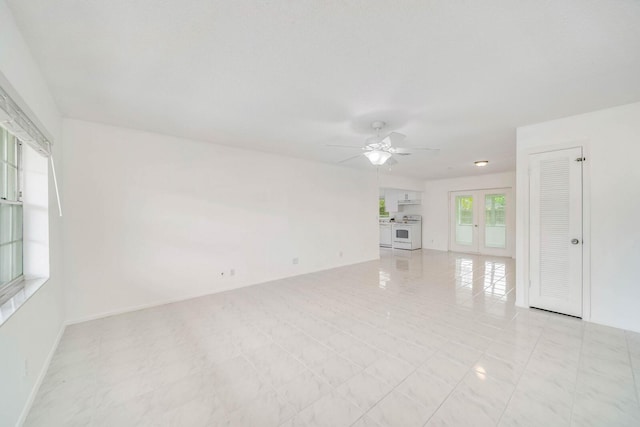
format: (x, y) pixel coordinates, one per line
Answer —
(407, 234)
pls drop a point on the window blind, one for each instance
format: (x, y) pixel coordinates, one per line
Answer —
(18, 123)
(15, 121)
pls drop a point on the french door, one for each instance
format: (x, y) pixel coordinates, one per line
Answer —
(479, 222)
(555, 231)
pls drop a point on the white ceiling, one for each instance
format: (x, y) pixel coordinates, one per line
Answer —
(288, 77)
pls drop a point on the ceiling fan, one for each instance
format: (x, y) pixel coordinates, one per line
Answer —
(380, 149)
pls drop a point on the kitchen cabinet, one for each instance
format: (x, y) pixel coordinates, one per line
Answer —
(409, 198)
(395, 198)
(407, 195)
(385, 235)
(391, 198)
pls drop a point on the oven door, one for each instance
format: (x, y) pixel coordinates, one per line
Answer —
(401, 234)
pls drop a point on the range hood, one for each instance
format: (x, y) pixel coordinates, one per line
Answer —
(409, 202)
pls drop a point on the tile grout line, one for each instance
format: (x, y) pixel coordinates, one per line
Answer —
(388, 393)
(633, 370)
(303, 363)
(312, 370)
(356, 339)
(523, 371)
(575, 385)
(452, 390)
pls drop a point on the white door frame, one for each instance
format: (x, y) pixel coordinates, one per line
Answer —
(510, 219)
(523, 243)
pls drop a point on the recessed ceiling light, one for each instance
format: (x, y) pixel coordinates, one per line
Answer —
(481, 163)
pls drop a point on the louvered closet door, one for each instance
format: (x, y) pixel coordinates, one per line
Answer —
(555, 218)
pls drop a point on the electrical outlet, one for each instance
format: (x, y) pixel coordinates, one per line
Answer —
(232, 272)
(295, 261)
(340, 254)
(26, 368)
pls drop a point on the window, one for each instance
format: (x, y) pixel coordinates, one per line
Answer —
(10, 209)
(383, 209)
(24, 221)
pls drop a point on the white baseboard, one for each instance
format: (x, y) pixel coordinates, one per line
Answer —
(158, 303)
(143, 306)
(41, 375)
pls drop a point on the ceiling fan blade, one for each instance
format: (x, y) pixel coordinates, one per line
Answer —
(349, 158)
(408, 150)
(396, 138)
(359, 147)
(392, 139)
(373, 140)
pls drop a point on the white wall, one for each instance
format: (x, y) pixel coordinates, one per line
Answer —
(400, 182)
(612, 202)
(435, 205)
(151, 218)
(29, 336)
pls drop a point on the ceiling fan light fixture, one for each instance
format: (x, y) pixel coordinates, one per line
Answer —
(481, 163)
(377, 157)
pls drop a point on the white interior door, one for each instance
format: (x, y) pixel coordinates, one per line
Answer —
(479, 222)
(555, 233)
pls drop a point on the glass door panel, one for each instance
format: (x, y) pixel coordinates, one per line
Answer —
(464, 220)
(495, 221)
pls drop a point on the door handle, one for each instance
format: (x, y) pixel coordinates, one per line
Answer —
(575, 241)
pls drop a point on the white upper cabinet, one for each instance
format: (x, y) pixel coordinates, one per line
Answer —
(409, 197)
(394, 198)
(391, 200)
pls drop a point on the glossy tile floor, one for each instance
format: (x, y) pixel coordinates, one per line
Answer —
(418, 338)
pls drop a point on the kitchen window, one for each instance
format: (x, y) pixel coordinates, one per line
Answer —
(11, 241)
(383, 209)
